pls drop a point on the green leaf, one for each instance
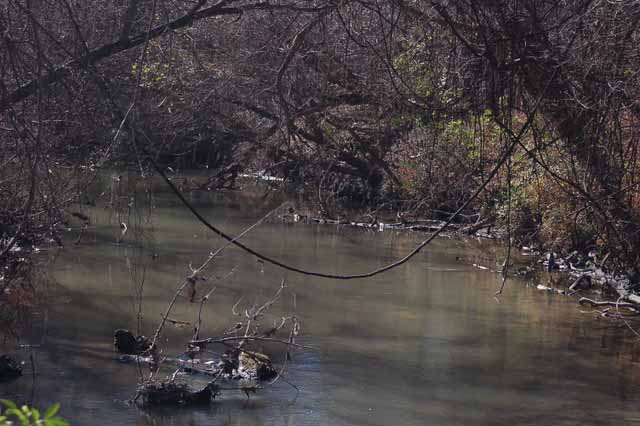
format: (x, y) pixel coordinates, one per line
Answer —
(35, 414)
(19, 414)
(52, 411)
(9, 404)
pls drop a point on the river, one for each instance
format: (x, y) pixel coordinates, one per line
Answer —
(426, 343)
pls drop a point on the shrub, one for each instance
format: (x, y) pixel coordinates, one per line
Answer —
(29, 416)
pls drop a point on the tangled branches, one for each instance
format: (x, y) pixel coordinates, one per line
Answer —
(242, 364)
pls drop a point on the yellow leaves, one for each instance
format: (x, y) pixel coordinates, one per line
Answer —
(151, 74)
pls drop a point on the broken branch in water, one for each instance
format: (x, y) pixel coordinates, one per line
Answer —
(198, 271)
(243, 359)
(225, 340)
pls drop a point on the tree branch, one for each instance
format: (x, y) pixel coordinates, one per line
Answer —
(96, 55)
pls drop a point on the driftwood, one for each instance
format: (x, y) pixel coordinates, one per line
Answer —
(633, 298)
(595, 303)
(235, 365)
(583, 281)
(192, 367)
(171, 393)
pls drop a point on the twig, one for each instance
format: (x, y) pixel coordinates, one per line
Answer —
(226, 340)
(205, 298)
(233, 308)
(623, 319)
(253, 313)
(199, 270)
(505, 265)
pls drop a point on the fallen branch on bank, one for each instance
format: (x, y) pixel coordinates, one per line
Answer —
(594, 303)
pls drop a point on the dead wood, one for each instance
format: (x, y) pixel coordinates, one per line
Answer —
(595, 303)
(583, 281)
(171, 393)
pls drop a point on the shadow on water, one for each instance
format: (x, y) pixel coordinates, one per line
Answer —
(423, 344)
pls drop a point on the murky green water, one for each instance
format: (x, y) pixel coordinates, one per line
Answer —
(425, 344)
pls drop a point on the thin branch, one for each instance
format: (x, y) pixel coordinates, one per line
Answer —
(226, 340)
(100, 53)
(516, 139)
(194, 274)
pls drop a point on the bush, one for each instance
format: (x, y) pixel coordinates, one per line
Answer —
(29, 416)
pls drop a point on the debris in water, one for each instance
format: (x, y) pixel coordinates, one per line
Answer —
(171, 393)
(126, 343)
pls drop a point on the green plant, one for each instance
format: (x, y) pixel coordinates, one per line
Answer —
(29, 416)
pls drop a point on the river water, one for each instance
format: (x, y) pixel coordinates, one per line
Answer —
(424, 344)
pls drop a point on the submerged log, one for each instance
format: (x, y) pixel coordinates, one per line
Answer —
(171, 393)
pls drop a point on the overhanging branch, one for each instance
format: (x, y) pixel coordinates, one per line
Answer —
(64, 70)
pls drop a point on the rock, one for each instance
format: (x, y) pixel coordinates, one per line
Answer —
(256, 365)
(126, 343)
(10, 369)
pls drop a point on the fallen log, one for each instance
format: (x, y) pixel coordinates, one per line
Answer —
(171, 393)
(595, 303)
(633, 298)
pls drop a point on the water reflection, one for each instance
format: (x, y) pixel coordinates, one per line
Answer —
(424, 344)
